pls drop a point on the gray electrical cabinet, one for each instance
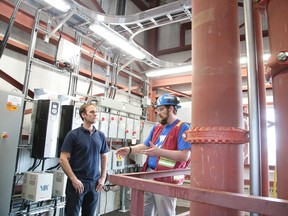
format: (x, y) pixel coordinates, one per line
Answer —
(11, 110)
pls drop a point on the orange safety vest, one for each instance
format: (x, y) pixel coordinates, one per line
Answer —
(170, 143)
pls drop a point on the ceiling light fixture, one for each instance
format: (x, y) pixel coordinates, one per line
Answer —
(117, 40)
(169, 71)
(59, 4)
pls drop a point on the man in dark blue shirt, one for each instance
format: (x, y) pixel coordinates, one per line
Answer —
(83, 152)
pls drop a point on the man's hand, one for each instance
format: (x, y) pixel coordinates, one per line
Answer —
(100, 184)
(152, 151)
(77, 184)
(123, 152)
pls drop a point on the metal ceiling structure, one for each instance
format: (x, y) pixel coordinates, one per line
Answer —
(80, 18)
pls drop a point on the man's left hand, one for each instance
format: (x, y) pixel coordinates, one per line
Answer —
(152, 151)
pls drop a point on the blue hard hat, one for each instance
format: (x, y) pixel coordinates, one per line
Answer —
(168, 99)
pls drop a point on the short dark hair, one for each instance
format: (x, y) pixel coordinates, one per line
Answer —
(83, 109)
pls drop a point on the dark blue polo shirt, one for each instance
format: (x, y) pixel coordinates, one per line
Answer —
(85, 150)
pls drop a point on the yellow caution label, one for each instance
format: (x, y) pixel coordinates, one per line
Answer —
(11, 107)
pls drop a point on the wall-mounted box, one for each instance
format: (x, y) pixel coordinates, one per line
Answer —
(68, 52)
(119, 105)
(70, 119)
(44, 131)
(37, 186)
(59, 183)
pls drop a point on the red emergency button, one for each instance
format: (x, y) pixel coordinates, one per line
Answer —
(102, 119)
(112, 118)
(121, 118)
(4, 135)
(134, 132)
(126, 131)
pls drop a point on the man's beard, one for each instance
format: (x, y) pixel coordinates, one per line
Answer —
(163, 121)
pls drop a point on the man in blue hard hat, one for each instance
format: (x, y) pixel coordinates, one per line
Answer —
(165, 150)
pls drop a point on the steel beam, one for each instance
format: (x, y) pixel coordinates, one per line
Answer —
(140, 182)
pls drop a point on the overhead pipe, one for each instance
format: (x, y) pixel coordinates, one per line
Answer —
(216, 101)
(262, 101)
(278, 24)
(9, 27)
(253, 103)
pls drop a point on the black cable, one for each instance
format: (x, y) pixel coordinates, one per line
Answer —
(70, 80)
(54, 167)
(43, 164)
(33, 165)
(37, 165)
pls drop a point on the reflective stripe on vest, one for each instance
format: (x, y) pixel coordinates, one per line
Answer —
(179, 177)
(166, 162)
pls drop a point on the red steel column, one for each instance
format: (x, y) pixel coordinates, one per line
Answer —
(217, 99)
(277, 12)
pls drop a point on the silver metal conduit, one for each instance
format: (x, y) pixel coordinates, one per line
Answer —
(253, 104)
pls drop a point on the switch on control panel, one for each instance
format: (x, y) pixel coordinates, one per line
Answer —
(4, 135)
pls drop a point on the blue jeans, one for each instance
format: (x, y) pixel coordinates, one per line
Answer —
(87, 200)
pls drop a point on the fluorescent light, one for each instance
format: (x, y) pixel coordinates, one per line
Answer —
(117, 40)
(169, 71)
(59, 4)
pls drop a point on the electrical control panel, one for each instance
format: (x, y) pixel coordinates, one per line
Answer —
(104, 123)
(121, 127)
(44, 130)
(76, 119)
(11, 113)
(136, 129)
(70, 119)
(129, 128)
(97, 122)
(117, 161)
(113, 126)
(145, 130)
